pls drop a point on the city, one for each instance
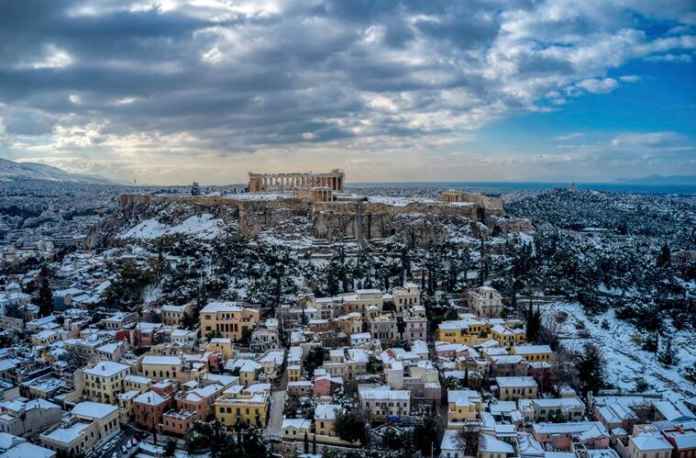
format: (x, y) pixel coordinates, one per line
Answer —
(347, 229)
(305, 319)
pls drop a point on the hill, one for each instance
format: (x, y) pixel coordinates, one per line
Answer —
(10, 170)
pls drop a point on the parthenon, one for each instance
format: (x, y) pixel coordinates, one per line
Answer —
(273, 182)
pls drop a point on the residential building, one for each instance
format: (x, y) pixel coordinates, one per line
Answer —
(514, 388)
(381, 402)
(104, 381)
(229, 319)
(485, 301)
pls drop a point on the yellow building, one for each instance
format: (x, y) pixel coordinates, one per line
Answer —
(508, 336)
(534, 352)
(325, 419)
(514, 388)
(229, 319)
(221, 345)
(463, 406)
(105, 381)
(137, 383)
(173, 367)
(294, 373)
(468, 331)
(125, 405)
(250, 409)
(161, 367)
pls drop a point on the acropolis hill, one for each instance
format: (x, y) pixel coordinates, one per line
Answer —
(271, 201)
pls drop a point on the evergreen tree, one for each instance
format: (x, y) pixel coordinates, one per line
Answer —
(426, 437)
(591, 366)
(352, 427)
(668, 356)
(664, 259)
(533, 323)
(45, 294)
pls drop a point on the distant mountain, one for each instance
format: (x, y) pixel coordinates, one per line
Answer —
(10, 170)
(674, 180)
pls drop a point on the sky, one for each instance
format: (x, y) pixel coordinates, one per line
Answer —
(172, 91)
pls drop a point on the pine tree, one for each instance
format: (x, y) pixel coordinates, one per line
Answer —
(45, 299)
(590, 366)
(664, 259)
(533, 329)
(668, 356)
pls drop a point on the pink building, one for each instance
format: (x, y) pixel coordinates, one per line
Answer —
(562, 435)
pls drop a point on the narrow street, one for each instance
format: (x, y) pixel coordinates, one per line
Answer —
(275, 421)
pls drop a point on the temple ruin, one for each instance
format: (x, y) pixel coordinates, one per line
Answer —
(282, 182)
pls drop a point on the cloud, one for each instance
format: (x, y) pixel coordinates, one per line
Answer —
(677, 58)
(630, 78)
(649, 139)
(168, 84)
(567, 137)
(598, 86)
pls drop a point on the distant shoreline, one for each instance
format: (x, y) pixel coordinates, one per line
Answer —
(511, 186)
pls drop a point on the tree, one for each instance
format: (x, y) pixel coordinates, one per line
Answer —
(469, 441)
(374, 365)
(668, 356)
(315, 358)
(664, 259)
(591, 369)
(352, 426)
(45, 300)
(426, 437)
(533, 323)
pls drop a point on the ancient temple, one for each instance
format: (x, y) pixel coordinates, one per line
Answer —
(281, 182)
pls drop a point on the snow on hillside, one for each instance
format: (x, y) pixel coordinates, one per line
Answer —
(10, 170)
(202, 226)
(626, 361)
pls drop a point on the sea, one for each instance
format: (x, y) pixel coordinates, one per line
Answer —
(505, 187)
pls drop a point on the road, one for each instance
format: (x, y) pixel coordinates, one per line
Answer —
(113, 446)
(275, 421)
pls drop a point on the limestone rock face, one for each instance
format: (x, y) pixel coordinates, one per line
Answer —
(420, 231)
(416, 224)
(506, 225)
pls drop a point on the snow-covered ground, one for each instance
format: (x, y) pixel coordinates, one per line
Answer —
(260, 195)
(399, 201)
(626, 361)
(201, 226)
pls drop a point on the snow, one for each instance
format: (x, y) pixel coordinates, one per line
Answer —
(95, 410)
(627, 361)
(491, 444)
(68, 434)
(106, 369)
(259, 196)
(201, 226)
(26, 449)
(399, 201)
